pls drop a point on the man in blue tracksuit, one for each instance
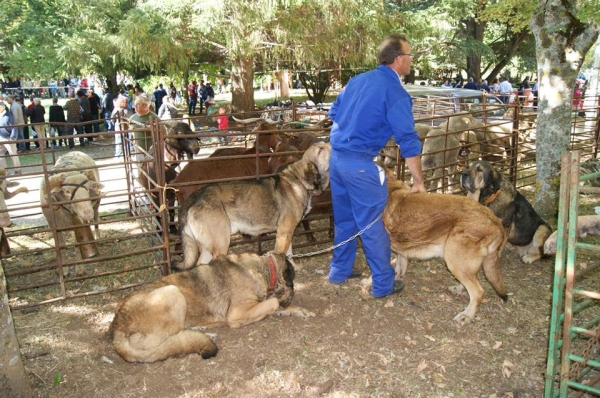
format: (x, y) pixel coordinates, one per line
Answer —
(372, 107)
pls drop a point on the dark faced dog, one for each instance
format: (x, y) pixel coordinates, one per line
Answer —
(525, 229)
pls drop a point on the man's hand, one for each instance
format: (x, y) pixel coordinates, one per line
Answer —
(414, 165)
(418, 188)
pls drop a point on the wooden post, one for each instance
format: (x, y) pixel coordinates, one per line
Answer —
(13, 380)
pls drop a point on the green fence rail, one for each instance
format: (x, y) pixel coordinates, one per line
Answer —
(573, 367)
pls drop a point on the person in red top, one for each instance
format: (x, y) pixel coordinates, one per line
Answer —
(577, 102)
(193, 97)
(223, 119)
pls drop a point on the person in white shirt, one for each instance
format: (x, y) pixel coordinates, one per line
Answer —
(17, 112)
(505, 90)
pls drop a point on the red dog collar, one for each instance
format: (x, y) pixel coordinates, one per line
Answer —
(272, 274)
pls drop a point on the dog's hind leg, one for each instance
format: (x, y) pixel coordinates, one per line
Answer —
(535, 250)
(149, 328)
(491, 269)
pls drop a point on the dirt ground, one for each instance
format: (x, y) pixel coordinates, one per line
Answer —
(406, 345)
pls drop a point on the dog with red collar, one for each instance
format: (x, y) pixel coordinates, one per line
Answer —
(158, 321)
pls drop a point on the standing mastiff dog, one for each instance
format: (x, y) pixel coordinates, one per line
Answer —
(525, 229)
(209, 216)
(154, 323)
(466, 235)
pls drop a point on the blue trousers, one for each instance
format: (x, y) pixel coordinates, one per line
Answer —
(358, 197)
(192, 106)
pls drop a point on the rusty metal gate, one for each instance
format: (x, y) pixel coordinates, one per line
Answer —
(573, 366)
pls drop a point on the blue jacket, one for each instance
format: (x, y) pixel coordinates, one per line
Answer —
(7, 120)
(373, 107)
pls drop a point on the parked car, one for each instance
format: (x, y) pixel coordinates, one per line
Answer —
(435, 101)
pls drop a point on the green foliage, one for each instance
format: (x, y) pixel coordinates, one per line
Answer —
(57, 379)
(45, 38)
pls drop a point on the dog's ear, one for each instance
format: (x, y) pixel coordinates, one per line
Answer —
(496, 178)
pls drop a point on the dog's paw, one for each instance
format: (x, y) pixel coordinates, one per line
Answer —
(463, 318)
(529, 258)
(294, 311)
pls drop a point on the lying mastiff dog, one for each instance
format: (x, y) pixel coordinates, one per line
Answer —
(155, 322)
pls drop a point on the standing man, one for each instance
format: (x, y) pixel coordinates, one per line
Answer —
(358, 185)
(73, 118)
(86, 116)
(159, 94)
(37, 119)
(193, 97)
(471, 85)
(17, 111)
(8, 134)
(203, 94)
(108, 105)
(94, 101)
(57, 115)
(505, 89)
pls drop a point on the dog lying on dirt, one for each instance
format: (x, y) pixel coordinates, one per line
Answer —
(209, 216)
(525, 229)
(154, 323)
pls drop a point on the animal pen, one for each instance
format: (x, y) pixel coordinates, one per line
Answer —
(136, 245)
(138, 240)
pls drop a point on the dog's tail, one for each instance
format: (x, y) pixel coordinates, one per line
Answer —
(190, 251)
(491, 266)
(180, 344)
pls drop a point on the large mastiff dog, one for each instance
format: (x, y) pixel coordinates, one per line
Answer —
(525, 229)
(466, 235)
(209, 216)
(155, 322)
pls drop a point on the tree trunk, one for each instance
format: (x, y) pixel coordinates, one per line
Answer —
(284, 83)
(562, 42)
(506, 53)
(316, 85)
(475, 31)
(242, 85)
(13, 380)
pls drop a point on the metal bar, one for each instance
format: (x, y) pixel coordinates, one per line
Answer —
(573, 185)
(554, 342)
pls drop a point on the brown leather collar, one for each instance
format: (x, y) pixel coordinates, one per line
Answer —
(272, 274)
(492, 197)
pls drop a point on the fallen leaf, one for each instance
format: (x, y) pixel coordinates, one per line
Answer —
(429, 337)
(438, 378)
(484, 343)
(506, 371)
(497, 345)
(389, 304)
(583, 265)
(422, 366)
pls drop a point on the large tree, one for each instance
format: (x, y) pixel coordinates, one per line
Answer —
(564, 33)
